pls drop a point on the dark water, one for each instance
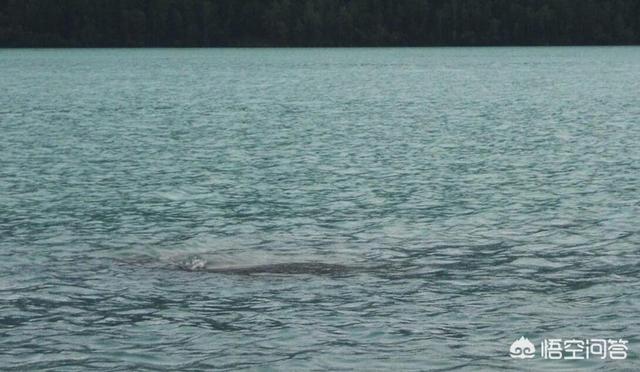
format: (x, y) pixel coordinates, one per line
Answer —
(494, 191)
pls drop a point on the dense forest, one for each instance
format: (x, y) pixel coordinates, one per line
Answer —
(106, 23)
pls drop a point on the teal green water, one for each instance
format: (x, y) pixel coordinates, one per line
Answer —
(493, 192)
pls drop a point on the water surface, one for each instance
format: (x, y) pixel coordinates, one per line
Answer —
(498, 187)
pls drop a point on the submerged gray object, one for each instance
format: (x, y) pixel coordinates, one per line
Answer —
(309, 268)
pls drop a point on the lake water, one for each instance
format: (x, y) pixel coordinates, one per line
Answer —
(480, 195)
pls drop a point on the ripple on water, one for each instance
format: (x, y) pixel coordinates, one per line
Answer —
(493, 192)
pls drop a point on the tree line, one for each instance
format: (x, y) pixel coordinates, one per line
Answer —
(196, 23)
